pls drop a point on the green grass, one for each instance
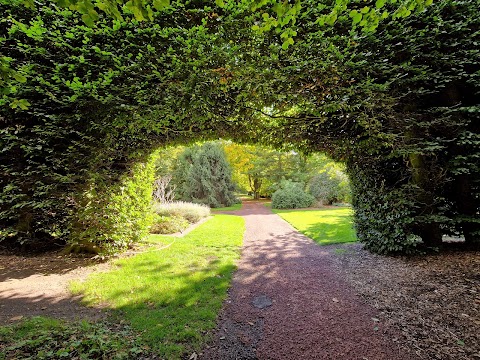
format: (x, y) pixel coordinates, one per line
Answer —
(325, 226)
(172, 293)
(229, 208)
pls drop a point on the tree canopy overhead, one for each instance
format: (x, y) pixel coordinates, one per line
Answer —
(83, 107)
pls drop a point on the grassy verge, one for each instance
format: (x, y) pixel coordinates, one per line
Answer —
(173, 292)
(228, 208)
(325, 226)
(166, 301)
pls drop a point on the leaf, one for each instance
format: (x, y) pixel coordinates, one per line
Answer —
(19, 77)
(23, 104)
(365, 10)
(380, 3)
(287, 43)
(160, 4)
(87, 19)
(220, 3)
(356, 16)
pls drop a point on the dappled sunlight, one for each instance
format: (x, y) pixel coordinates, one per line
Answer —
(172, 294)
(20, 305)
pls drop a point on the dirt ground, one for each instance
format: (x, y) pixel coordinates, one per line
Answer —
(291, 299)
(38, 285)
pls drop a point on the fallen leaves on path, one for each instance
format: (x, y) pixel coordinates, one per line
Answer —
(434, 301)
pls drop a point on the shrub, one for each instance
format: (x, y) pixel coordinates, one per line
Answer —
(113, 215)
(203, 175)
(330, 186)
(168, 224)
(189, 211)
(291, 196)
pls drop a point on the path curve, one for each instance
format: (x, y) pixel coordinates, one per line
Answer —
(288, 302)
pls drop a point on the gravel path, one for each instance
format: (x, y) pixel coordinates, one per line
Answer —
(288, 302)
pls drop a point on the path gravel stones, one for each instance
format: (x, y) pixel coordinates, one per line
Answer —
(288, 302)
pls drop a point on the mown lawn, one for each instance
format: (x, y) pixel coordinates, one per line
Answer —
(166, 298)
(228, 208)
(324, 226)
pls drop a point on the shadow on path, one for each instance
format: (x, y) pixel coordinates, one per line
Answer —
(287, 302)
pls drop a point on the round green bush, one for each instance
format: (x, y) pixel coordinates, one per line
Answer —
(291, 196)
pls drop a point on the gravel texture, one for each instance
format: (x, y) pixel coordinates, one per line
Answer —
(287, 301)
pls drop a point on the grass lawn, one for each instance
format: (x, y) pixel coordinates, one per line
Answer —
(325, 226)
(173, 292)
(165, 301)
(228, 208)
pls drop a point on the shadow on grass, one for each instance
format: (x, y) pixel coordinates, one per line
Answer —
(174, 310)
(172, 295)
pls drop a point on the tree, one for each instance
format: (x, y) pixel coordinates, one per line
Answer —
(203, 175)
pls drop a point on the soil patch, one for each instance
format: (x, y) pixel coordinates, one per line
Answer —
(37, 285)
(433, 300)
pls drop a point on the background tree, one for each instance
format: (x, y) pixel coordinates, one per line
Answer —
(203, 175)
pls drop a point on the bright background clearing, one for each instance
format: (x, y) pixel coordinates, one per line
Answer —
(173, 292)
(325, 226)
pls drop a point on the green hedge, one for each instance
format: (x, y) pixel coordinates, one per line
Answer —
(111, 216)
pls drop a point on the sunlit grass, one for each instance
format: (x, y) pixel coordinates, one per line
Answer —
(325, 226)
(173, 292)
(228, 208)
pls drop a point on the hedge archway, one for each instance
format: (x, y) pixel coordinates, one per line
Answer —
(88, 106)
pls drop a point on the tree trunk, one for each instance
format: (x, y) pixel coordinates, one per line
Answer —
(429, 231)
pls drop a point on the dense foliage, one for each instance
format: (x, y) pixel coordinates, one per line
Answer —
(400, 107)
(204, 176)
(81, 106)
(291, 195)
(97, 102)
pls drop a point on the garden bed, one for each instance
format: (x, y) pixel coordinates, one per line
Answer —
(433, 300)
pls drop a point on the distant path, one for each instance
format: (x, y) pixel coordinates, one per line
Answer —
(287, 302)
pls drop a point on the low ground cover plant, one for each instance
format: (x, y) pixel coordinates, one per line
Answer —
(46, 338)
(176, 216)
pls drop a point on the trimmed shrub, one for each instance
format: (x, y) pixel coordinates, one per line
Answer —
(291, 196)
(112, 216)
(189, 211)
(168, 224)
